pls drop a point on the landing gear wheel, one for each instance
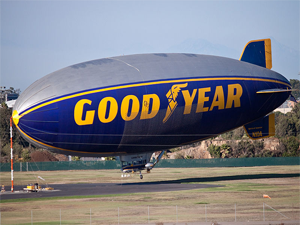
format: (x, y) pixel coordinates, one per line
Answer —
(141, 176)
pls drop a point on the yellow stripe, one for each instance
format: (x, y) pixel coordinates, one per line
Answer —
(144, 84)
(271, 124)
(268, 54)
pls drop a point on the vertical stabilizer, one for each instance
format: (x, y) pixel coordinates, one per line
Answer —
(258, 52)
(261, 128)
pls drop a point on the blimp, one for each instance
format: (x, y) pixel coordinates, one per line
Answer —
(131, 106)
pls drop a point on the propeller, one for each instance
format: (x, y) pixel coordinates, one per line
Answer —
(150, 165)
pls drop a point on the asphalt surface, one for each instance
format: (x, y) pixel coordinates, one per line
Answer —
(61, 190)
(284, 222)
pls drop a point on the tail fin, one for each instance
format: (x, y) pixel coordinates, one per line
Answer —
(258, 52)
(261, 128)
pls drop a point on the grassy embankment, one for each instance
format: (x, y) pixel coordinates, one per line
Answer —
(242, 186)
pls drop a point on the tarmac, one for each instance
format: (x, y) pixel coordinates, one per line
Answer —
(85, 189)
(285, 222)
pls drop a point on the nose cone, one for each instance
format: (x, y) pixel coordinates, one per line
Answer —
(15, 117)
(32, 118)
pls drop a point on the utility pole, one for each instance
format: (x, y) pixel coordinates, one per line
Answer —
(11, 157)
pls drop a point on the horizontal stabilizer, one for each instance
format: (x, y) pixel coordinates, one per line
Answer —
(261, 128)
(258, 52)
(269, 91)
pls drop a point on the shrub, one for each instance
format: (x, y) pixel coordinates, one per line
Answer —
(215, 151)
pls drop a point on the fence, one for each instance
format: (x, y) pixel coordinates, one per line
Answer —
(155, 214)
(164, 163)
(61, 165)
(229, 162)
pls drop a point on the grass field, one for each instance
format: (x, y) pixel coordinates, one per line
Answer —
(243, 190)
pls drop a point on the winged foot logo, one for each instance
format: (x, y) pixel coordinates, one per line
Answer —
(171, 96)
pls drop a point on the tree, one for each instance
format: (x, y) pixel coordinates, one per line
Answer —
(13, 90)
(246, 149)
(26, 155)
(295, 117)
(288, 124)
(226, 151)
(75, 158)
(18, 141)
(295, 85)
(291, 145)
(5, 114)
(110, 158)
(258, 148)
(228, 135)
(215, 151)
(238, 133)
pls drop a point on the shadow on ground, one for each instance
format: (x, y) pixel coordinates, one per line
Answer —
(221, 178)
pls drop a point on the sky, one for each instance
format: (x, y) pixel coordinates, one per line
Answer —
(40, 37)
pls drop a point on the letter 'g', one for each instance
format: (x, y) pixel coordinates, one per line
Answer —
(78, 113)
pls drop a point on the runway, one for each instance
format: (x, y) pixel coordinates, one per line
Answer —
(62, 190)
